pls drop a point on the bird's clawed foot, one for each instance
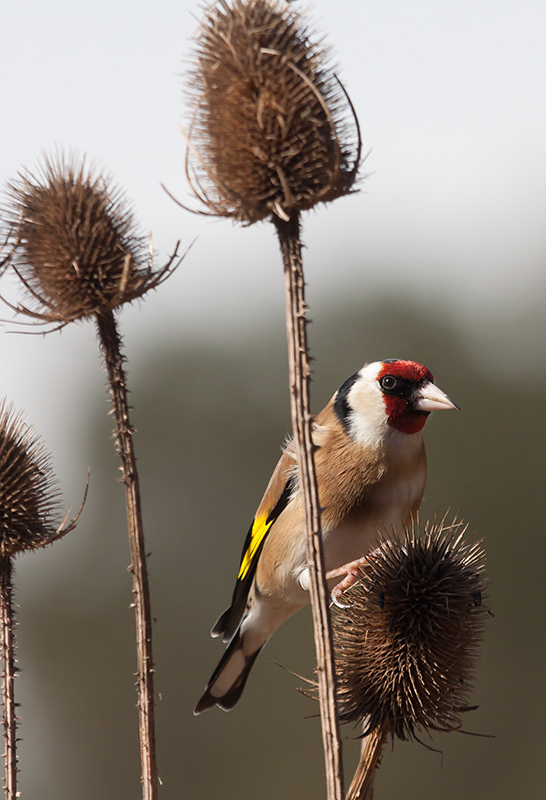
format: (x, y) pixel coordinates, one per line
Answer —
(351, 573)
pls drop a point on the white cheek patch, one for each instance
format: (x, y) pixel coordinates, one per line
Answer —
(368, 423)
(369, 430)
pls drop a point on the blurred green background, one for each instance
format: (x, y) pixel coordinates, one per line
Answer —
(211, 419)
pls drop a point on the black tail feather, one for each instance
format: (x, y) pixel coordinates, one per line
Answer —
(226, 626)
(221, 624)
(231, 697)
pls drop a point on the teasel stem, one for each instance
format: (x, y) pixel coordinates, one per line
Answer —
(299, 378)
(9, 717)
(111, 346)
(361, 787)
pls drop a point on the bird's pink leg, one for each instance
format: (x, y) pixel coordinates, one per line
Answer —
(351, 573)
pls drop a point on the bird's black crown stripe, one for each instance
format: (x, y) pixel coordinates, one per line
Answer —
(341, 405)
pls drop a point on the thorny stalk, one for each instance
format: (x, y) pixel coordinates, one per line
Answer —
(7, 643)
(110, 342)
(299, 377)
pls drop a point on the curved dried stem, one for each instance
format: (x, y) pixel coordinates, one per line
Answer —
(192, 177)
(193, 180)
(358, 156)
(6, 261)
(68, 525)
(197, 211)
(361, 787)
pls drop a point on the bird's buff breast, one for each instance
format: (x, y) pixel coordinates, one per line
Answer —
(358, 533)
(383, 508)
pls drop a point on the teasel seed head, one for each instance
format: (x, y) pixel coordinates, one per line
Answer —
(407, 644)
(29, 496)
(271, 132)
(74, 242)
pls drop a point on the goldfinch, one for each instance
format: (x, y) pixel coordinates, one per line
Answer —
(371, 470)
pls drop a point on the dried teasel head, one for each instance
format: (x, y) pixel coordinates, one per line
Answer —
(272, 132)
(407, 644)
(29, 497)
(74, 243)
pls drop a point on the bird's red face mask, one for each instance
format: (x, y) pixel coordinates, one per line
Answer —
(410, 395)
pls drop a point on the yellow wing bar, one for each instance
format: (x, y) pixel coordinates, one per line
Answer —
(260, 527)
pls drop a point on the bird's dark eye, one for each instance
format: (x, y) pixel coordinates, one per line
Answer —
(388, 382)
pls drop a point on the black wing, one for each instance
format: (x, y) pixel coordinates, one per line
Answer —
(230, 620)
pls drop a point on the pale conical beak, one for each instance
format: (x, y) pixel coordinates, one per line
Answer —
(430, 398)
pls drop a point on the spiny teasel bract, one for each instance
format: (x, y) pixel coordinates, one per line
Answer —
(269, 133)
(29, 497)
(74, 242)
(407, 643)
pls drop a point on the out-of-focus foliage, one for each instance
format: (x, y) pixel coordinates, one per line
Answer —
(211, 420)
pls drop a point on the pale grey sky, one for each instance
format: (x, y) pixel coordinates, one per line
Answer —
(450, 96)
